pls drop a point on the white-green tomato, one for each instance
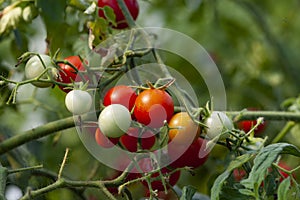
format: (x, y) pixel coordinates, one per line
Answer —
(114, 120)
(78, 102)
(217, 123)
(34, 68)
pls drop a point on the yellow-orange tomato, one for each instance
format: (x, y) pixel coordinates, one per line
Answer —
(183, 130)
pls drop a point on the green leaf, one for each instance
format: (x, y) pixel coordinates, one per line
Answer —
(232, 193)
(29, 13)
(264, 160)
(239, 161)
(270, 185)
(110, 15)
(294, 191)
(283, 189)
(219, 182)
(246, 192)
(10, 19)
(91, 9)
(53, 14)
(188, 193)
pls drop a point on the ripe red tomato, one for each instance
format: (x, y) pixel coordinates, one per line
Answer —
(183, 129)
(247, 125)
(132, 6)
(153, 107)
(239, 174)
(131, 139)
(189, 157)
(104, 141)
(120, 94)
(67, 74)
(283, 174)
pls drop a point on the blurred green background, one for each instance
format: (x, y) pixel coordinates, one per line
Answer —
(255, 45)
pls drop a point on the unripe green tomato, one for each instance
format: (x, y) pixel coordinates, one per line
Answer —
(78, 102)
(114, 120)
(34, 68)
(217, 123)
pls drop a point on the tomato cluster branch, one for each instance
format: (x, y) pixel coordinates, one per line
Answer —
(267, 115)
(36, 133)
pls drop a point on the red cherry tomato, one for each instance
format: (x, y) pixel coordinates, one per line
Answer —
(285, 175)
(131, 139)
(247, 125)
(104, 141)
(120, 94)
(67, 74)
(194, 156)
(183, 129)
(239, 174)
(153, 107)
(132, 6)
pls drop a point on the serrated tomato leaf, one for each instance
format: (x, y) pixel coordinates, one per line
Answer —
(283, 188)
(110, 15)
(188, 193)
(219, 182)
(263, 161)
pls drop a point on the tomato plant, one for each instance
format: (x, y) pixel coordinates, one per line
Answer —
(104, 141)
(78, 102)
(153, 107)
(132, 6)
(135, 138)
(35, 67)
(183, 129)
(120, 94)
(69, 74)
(114, 120)
(127, 118)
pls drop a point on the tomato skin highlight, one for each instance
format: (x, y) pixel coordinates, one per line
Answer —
(114, 120)
(78, 102)
(132, 6)
(153, 107)
(183, 129)
(189, 157)
(131, 138)
(120, 94)
(67, 74)
(216, 123)
(34, 68)
(104, 141)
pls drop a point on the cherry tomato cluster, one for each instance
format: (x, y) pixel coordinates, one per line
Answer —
(132, 120)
